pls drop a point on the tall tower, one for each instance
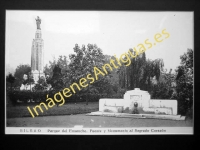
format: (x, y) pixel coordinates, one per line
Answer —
(37, 53)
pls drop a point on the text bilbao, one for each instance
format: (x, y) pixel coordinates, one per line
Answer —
(125, 59)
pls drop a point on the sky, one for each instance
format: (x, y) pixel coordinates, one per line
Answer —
(115, 32)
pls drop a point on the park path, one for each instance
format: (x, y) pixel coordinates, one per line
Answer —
(92, 122)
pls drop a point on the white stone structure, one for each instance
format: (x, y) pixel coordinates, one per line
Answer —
(37, 59)
(37, 54)
(139, 96)
(138, 100)
(27, 87)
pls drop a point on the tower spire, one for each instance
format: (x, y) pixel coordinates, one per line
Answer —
(37, 53)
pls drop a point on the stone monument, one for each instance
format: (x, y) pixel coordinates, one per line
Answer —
(138, 102)
(37, 53)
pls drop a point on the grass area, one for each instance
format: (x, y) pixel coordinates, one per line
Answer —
(67, 109)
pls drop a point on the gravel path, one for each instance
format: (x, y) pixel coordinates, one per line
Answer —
(92, 121)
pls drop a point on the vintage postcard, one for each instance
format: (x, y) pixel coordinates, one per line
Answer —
(99, 72)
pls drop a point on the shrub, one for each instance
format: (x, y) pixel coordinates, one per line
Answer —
(25, 96)
(41, 96)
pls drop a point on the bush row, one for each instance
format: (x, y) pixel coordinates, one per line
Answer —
(39, 96)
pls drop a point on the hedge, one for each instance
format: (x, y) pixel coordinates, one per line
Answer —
(41, 96)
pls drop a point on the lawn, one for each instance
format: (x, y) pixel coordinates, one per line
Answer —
(67, 109)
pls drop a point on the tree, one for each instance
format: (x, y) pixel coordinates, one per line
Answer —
(11, 79)
(151, 73)
(112, 78)
(55, 72)
(56, 80)
(140, 73)
(82, 63)
(19, 73)
(164, 88)
(62, 62)
(184, 82)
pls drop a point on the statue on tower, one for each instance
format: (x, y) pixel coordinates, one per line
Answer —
(38, 22)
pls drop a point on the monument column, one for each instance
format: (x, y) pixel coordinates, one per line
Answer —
(37, 53)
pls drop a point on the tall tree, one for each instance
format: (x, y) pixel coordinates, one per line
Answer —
(184, 82)
(56, 81)
(152, 71)
(140, 72)
(164, 88)
(82, 64)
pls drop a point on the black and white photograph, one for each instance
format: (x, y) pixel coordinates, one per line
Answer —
(99, 72)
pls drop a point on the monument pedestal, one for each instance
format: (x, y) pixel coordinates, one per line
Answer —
(37, 75)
